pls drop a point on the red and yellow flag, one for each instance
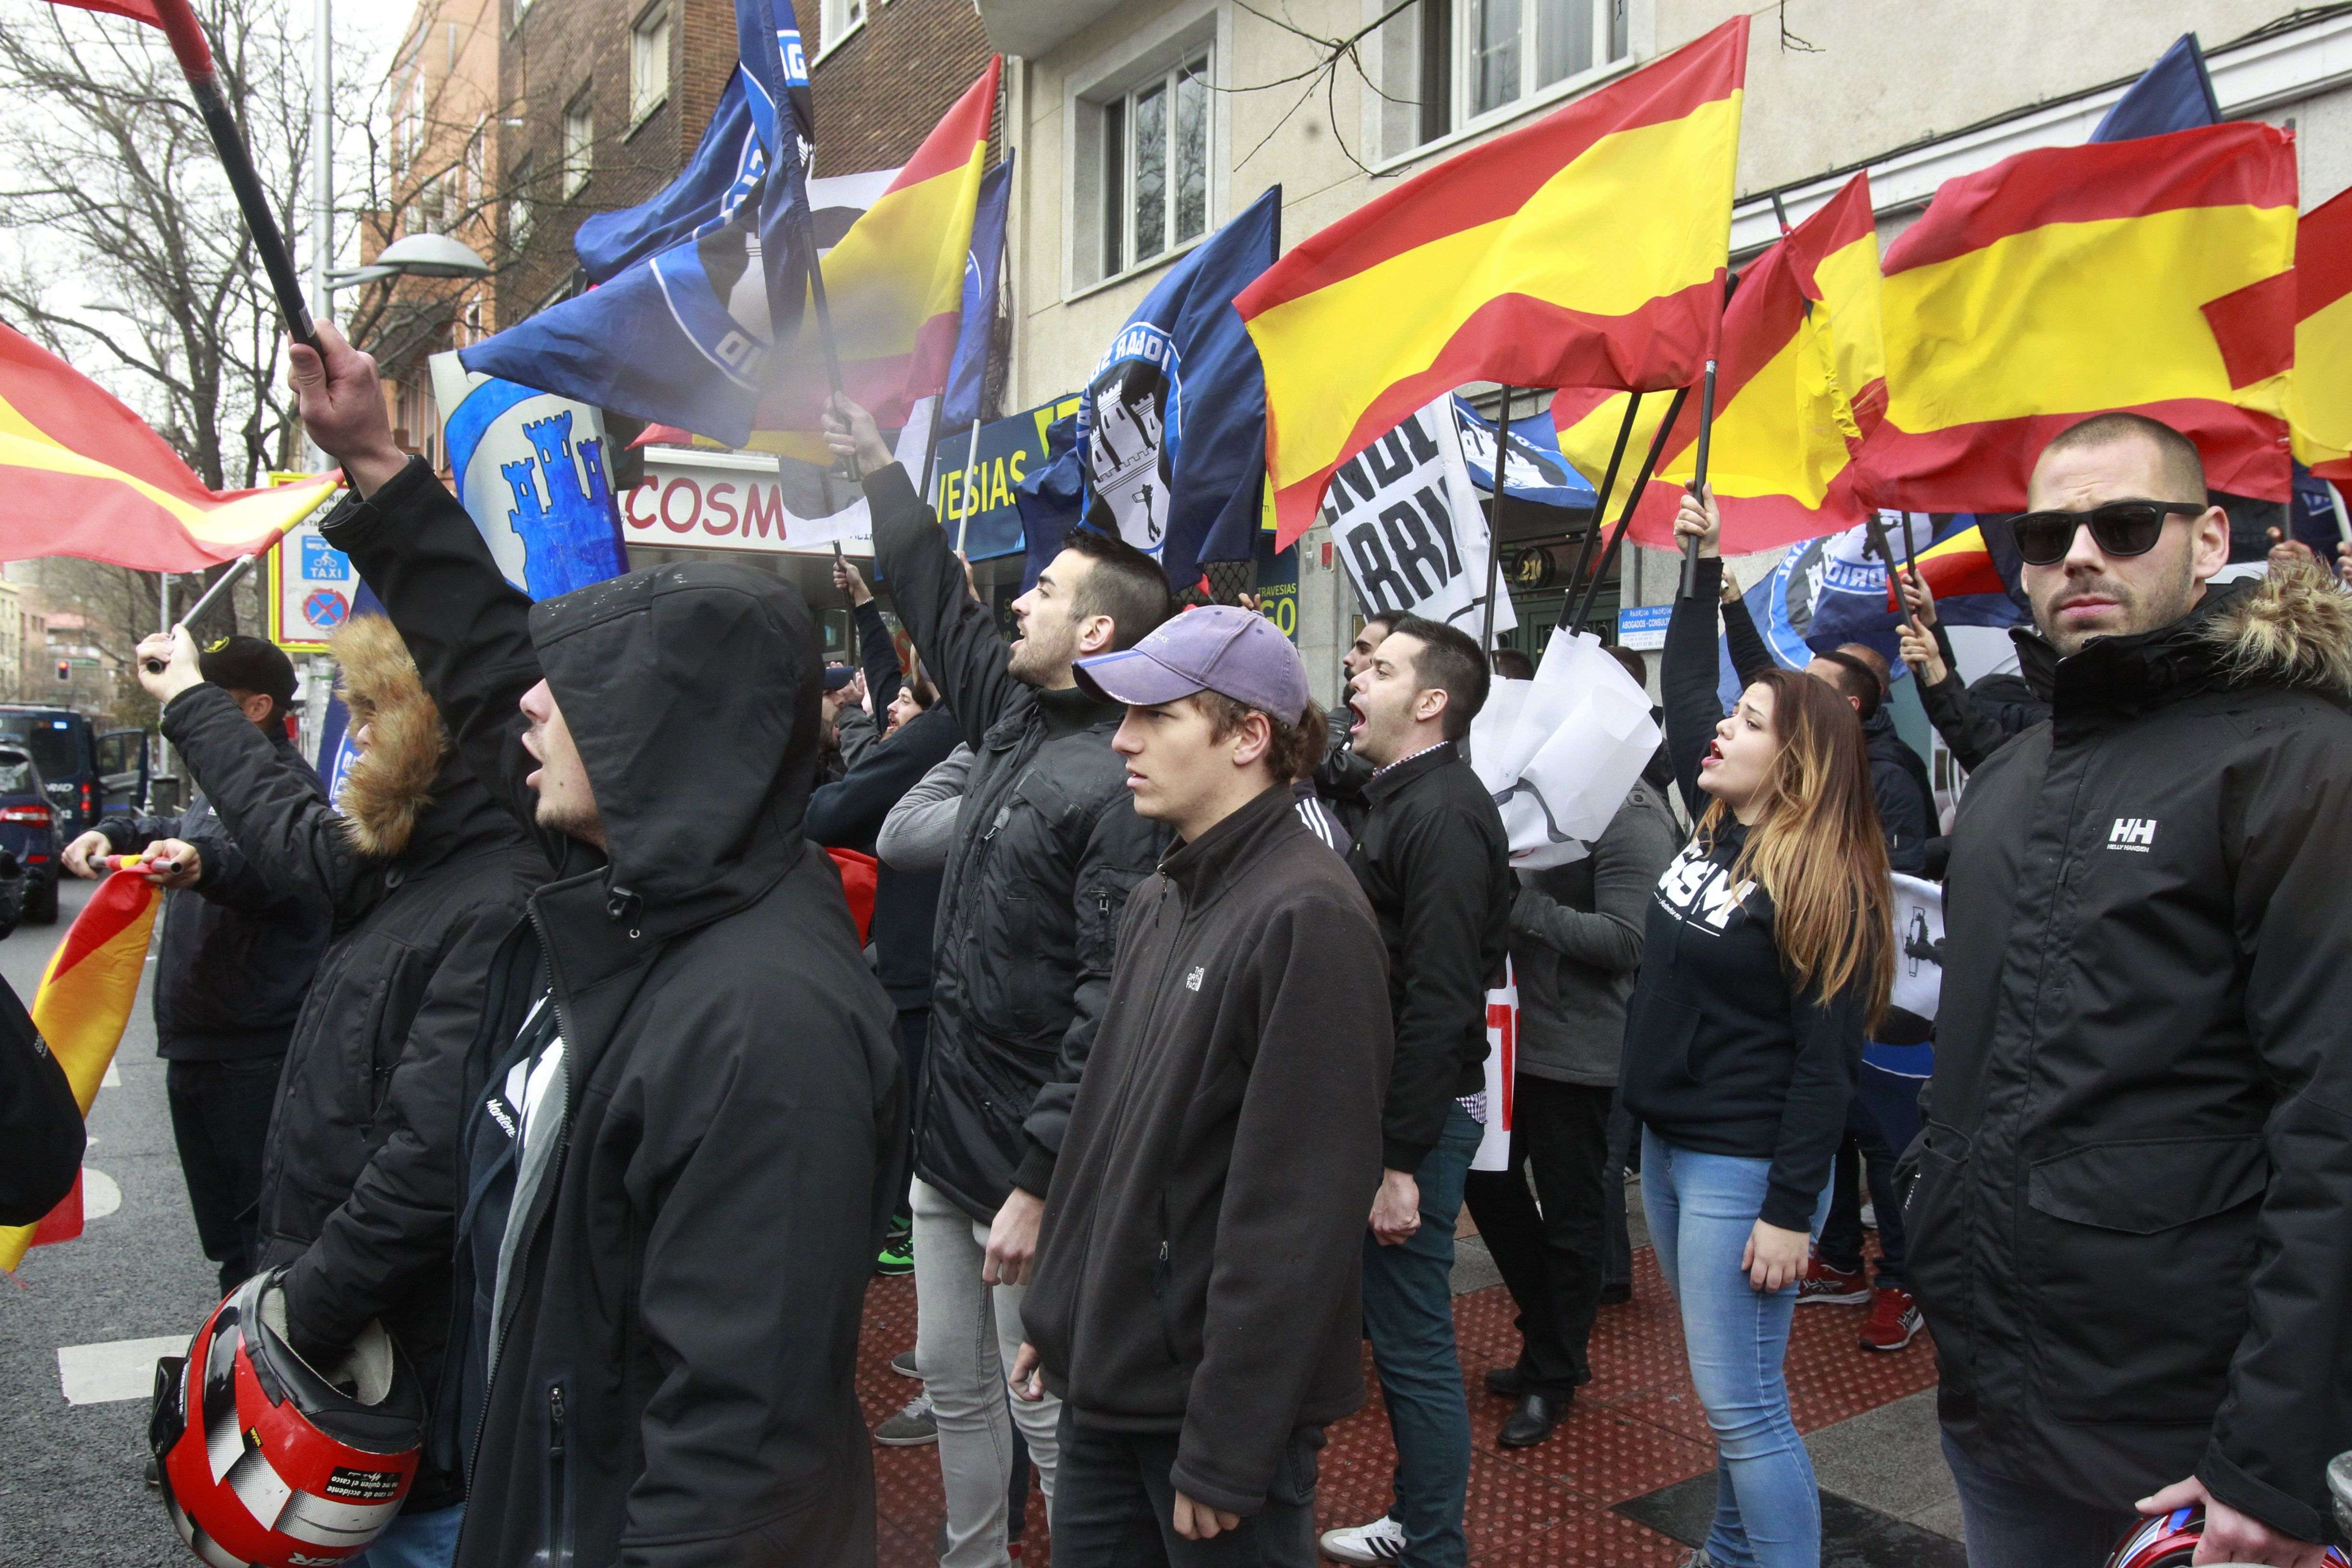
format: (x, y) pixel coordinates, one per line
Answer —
(1800, 382)
(1586, 250)
(894, 284)
(2153, 275)
(2319, 395)
(82, 474)
(1961, 565)
(84, 1001)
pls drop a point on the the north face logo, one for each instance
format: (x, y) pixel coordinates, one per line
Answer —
(1192, 981)
(2133, 833)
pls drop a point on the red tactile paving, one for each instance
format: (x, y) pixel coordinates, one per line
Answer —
(1636, 1428)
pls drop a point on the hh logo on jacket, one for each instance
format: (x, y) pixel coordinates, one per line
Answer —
(2136, 834)
(1699, 890)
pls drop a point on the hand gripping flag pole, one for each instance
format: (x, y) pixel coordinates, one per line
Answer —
(1698, 476)
(196, 56)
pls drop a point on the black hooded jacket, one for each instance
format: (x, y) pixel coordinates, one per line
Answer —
(2131, 1227)
(237, 952)
(1048, 847)
(359, 1183)
(677, 1341)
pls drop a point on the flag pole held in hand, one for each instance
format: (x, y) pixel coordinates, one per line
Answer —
(1698, 476)
(196, 58)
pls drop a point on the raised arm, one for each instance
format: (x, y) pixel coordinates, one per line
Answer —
(465, 626)
(1687, 678)
(281, 833)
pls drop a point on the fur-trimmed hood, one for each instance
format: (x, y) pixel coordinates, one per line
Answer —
(2293, 628)
(393, 783)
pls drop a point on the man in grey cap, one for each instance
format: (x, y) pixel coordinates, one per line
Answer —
(1195, 1301)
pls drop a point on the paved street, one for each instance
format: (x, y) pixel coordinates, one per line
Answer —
(70, 1493)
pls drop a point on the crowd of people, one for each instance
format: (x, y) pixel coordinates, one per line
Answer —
(1161, 1062)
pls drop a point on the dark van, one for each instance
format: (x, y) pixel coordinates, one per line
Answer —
(88, 775)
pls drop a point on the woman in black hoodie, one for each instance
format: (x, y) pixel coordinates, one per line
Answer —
(1766, 958)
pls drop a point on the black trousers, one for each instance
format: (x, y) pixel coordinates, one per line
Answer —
(1114, 1506)
(1866, 1151)
(1554, 1257)
(220, 1120)
(1624, 1142)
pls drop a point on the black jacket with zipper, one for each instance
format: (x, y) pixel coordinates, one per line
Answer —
(2131, 1227)
(1722, 1055)
(359, 1177)
(1431, 853)
(1047, 848)
(237, 952)
(1199, 1262)
(676, 1356)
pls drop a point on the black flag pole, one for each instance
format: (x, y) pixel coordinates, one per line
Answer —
(1632, 499)
(196, 58)
(1494, 528)
(1698, 476)
(1599, 522)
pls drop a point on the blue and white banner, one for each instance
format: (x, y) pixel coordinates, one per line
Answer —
(1171, 428)
(533, 471)
(1534, 469)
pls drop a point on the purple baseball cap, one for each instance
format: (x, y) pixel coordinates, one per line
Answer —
(1233, 652)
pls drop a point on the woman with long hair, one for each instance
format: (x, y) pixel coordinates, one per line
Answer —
(1767, 955)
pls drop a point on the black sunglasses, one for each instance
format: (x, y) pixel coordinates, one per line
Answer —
(2119, 528)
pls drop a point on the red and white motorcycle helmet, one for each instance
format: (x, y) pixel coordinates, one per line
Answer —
(267, 1463)
(2170, 1541)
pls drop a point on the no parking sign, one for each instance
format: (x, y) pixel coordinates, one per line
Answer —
(308, 586)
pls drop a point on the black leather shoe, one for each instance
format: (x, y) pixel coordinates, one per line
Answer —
(1505, 1382)
(1533, 1421)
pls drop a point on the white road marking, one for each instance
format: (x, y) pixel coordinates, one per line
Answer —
(113, 1078)
(117, 1370)
(100, 1196)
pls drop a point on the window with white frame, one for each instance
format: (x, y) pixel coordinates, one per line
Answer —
(579, 142)
(1446, 64)
(837, 20)
(519, 206)
(649, 61)
(1154, 177)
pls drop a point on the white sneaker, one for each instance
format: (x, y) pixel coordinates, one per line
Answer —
(1698, 1559)
(1366, 1545)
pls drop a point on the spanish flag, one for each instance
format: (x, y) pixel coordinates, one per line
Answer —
(1801, 381)
(1963, 564)
(82, 474)
(894, 284)
(2319, 400)
(2153, 275)
(84, 1001)
(1587, 249)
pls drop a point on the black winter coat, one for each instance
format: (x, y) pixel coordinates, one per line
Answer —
(1978, 721)
(41, 1135)
(237, 952)
(1047, 848)
(849, 814)
(1199, 1264)
(2131, 1227)
(677, 1347)
(359, 1179)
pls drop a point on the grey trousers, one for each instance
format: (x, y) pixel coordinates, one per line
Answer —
(966, 1337)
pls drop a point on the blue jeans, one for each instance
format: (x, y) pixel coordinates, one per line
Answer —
(2012, 1525)
(415, 1541)
(1702, 1209)
(1409, 1315)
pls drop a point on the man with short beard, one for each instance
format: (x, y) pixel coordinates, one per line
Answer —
(1047, 849)
(2135, 1188)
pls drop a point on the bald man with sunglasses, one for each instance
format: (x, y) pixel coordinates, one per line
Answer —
(2133, 1189)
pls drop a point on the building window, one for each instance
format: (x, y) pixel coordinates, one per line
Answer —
(1155, 167)
(649, 61)
(518, 206)
(836, 21)
(1447, 64)
(579, 142)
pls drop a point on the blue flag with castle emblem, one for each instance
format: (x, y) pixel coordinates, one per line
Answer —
(531, 470)
(685, 335)
(1171, 428)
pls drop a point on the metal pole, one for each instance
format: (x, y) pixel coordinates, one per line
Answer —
(1495, 533)
(1698, 478)
(971, 459)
